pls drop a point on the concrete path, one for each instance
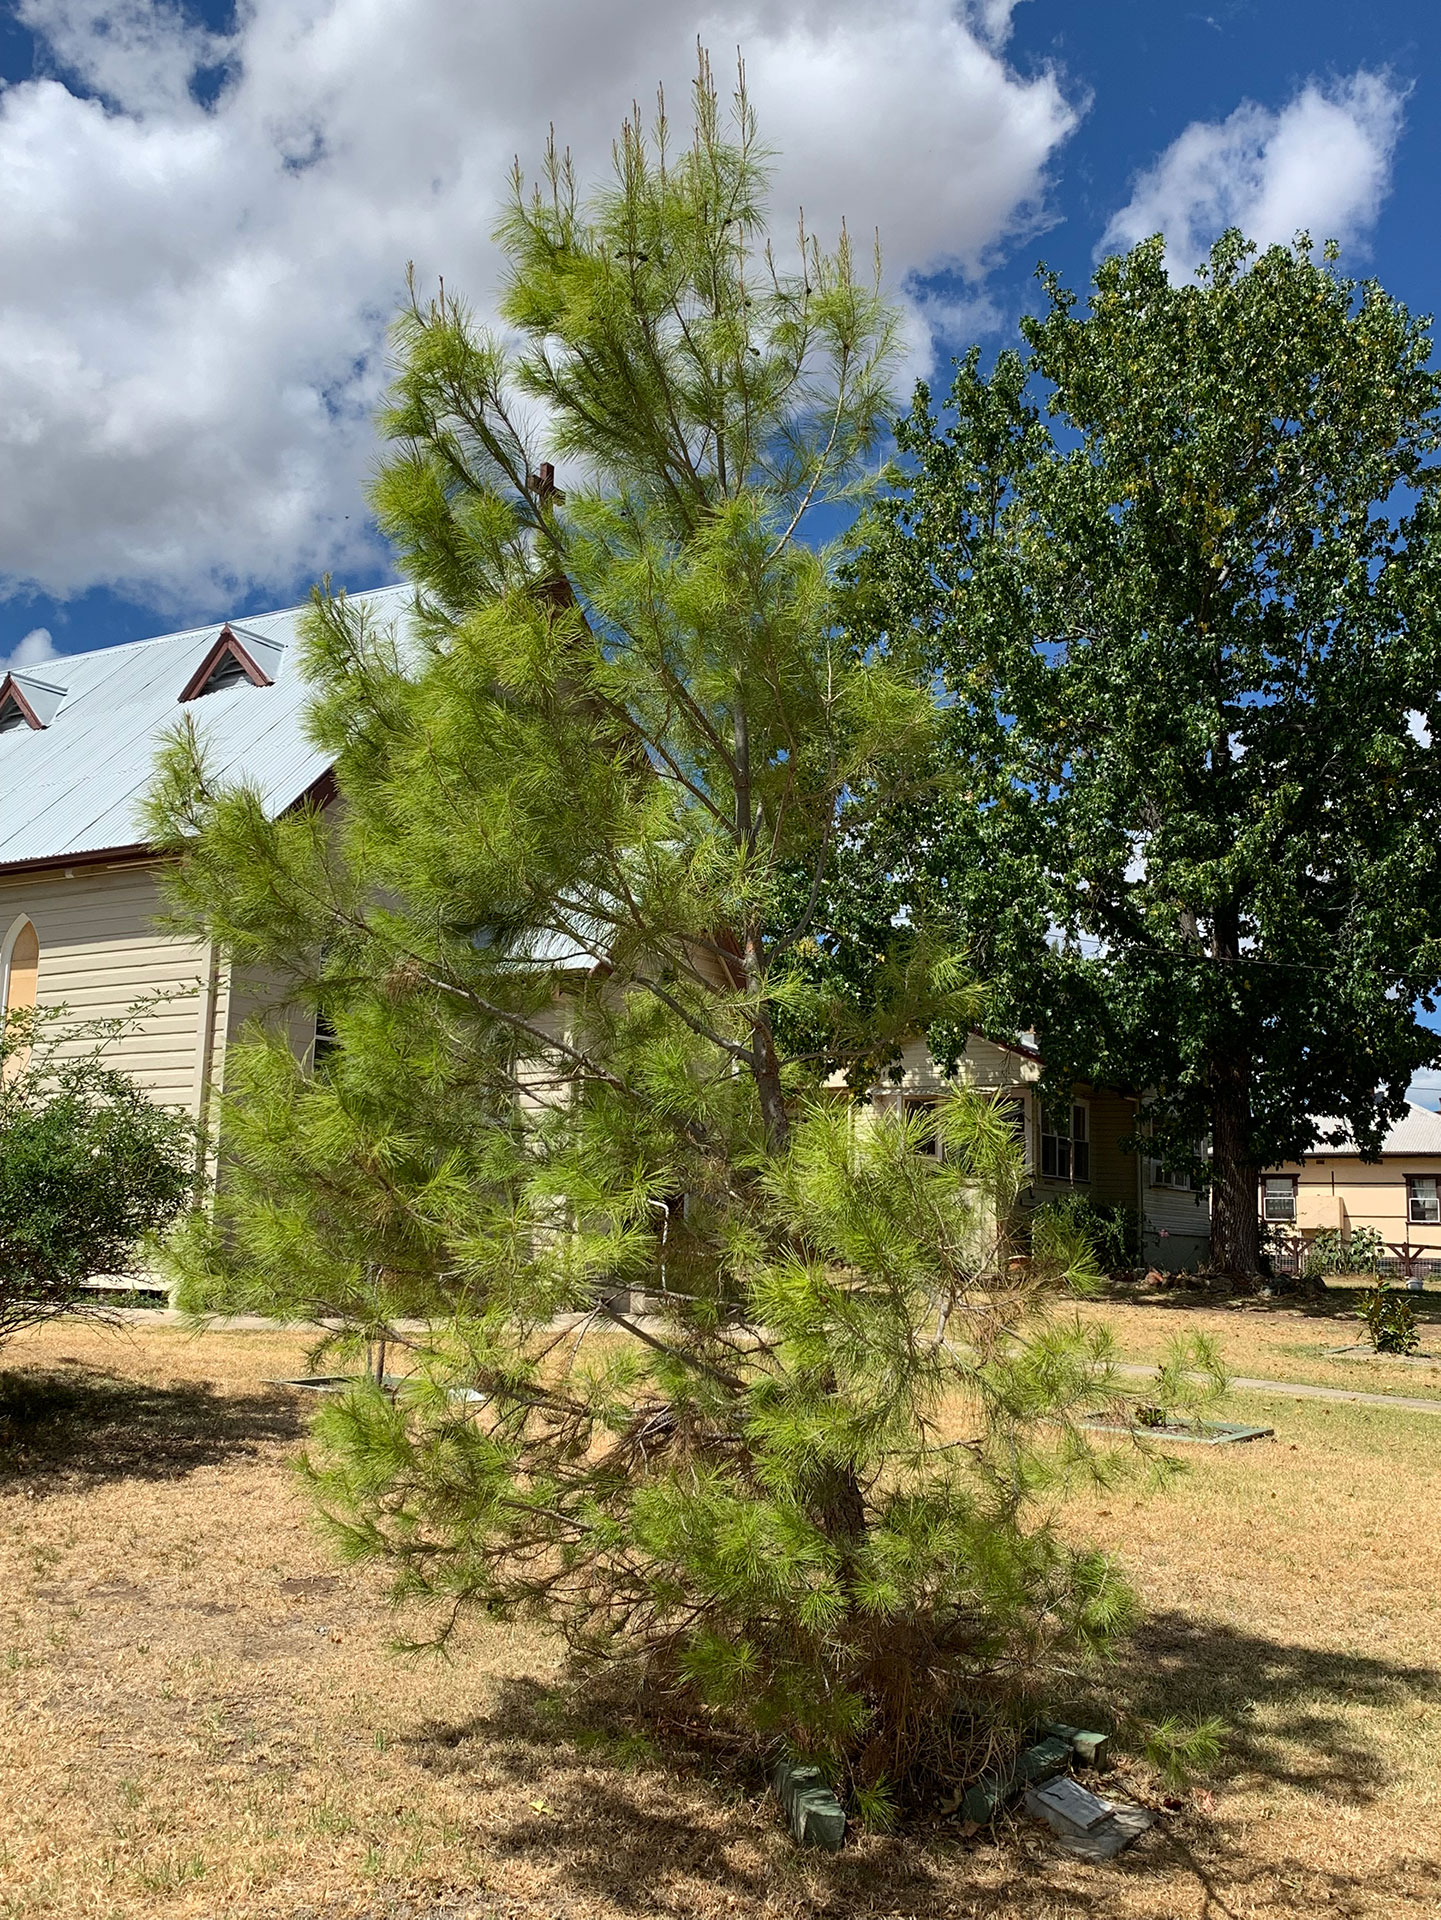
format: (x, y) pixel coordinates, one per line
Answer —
(1296, 1390)
(1293, 1389)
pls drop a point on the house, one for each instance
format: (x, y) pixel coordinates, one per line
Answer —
(1398, 1195)
(80, 891)
(1076, 1150)
(81, 895)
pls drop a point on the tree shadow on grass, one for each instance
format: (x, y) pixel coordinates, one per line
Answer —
(1336, 1305)
(640, 1821)
(1286, 1705)
(80, 1424)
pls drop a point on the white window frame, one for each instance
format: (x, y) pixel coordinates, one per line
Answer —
(1064, 1145)
(1270, 1180)
(7, 947)
(1413, 1218)
(912, 1103)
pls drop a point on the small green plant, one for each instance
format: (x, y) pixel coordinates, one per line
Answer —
(1390, 1319)
(875, 1807)
(1334, 1252)
(1147, 1416)
(1178, 1748)
(1112, 1230)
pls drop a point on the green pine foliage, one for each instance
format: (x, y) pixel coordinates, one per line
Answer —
(722, 1374)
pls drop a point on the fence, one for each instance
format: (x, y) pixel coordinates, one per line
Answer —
(1291, 1260)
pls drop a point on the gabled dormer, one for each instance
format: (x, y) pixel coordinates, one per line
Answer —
(28, 701)
(238, 658)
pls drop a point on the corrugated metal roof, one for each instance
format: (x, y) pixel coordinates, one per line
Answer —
(74, 788)
(1418, 1131)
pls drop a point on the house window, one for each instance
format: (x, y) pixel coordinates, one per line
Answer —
(22, 969)
(911, 1105)
(1012, 1108)
(1177, 1177)
(1066, 1142)
(325, 1042)
(1278, 1197)
(1423, 1201)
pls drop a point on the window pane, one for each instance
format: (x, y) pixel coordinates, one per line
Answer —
(913, 1106)
(1081, 1154)
(1080, 1123)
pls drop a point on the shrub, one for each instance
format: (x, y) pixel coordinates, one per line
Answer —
(1390, 1320)
(89, 1166)
(1112, 1231)
(1333, 1252)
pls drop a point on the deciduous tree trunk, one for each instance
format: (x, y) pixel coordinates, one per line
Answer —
(1235, 1226)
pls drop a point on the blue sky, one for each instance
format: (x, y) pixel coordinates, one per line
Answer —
(208, 218)
(173, 464)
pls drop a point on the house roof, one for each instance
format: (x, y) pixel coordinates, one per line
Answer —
(71, 786)
(1418, 1131)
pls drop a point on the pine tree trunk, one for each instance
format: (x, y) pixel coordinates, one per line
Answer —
(767, 1071)
(1235, 1226)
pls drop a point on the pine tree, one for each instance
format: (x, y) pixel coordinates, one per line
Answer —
(722, 1375)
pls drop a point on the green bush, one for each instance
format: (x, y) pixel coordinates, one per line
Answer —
(1390, 1320)
(89, 1166)
(1333, 1252)
(1112, 1231)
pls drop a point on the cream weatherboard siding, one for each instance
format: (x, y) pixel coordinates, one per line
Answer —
(102, 957)
(1177, 1224)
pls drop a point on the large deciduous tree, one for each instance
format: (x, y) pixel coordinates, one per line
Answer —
(558, 923)
(1177, 566)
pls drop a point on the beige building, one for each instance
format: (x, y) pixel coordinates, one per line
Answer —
(1076, 1150)
(80, 895)
(1399, 1194)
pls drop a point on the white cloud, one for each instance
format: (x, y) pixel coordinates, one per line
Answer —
(1425, 1089)
(191, 344)
(33, 650)
(1322, 163)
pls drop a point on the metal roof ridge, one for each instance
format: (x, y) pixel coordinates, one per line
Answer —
(234, 621)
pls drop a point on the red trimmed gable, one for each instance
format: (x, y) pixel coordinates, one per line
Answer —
(227, 653)
(13, 701)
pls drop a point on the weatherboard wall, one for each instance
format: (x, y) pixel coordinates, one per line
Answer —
(103, 958)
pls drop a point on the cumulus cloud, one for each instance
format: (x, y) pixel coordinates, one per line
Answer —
(1321, 163)
(205, 236)
(33, 650)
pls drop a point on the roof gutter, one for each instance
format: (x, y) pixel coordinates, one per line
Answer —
(97, 857)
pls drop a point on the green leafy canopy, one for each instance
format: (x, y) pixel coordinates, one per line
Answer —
(1176, 567)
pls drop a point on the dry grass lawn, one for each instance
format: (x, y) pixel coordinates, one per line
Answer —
(199, 1715)
(1280, 1340)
